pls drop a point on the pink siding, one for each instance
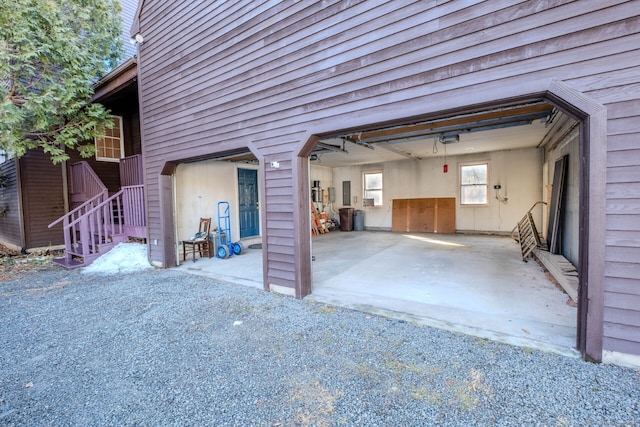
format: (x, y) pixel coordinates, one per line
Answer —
(215, 76)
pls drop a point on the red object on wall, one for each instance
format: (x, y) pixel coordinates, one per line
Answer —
(445, 168)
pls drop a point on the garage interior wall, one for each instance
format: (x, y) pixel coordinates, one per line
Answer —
(198, 189)
(517, 171)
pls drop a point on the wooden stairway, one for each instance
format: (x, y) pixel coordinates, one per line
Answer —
(101, 222)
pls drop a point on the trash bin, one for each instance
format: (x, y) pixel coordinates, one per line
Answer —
(346, 219)
(358, 220)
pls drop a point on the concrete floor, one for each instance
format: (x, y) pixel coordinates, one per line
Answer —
(471, 284)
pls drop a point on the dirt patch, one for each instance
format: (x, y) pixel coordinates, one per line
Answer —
(15, 265)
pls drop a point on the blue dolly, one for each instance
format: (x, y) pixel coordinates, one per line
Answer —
(225, 248)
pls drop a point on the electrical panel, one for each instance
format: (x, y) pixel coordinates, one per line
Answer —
(332, 195)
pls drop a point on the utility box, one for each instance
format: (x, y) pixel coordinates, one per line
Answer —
(332, 194)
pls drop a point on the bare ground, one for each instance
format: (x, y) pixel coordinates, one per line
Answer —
(14, 265)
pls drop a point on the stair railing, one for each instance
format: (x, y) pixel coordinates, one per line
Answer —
(135, 218)
(96, 226)
(72, 217)
(85, 184)
(111, 217)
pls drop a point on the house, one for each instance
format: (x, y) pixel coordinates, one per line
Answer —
(39, 195)
(523, 98)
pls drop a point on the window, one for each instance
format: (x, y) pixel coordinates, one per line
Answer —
(373, 187)
(111, 147)
(4, 156)
(473, 184)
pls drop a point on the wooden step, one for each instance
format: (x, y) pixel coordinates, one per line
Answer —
(68, 263)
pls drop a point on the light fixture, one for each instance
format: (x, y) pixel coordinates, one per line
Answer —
(449, 138)
(138, 38)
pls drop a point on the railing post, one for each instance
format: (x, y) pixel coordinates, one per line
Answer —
(67, 239)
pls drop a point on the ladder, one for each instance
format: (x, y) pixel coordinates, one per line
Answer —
(527, 234)
(317, 227)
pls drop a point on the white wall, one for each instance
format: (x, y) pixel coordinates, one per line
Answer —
(198, 189)
(323, 174)
(517, 171)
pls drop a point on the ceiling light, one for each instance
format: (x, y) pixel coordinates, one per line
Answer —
(449, 139)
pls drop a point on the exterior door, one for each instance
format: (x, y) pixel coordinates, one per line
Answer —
(248, 189)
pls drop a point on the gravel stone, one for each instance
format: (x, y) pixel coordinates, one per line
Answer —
(165, 348)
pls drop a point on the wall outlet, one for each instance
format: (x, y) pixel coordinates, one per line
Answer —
(497, 187)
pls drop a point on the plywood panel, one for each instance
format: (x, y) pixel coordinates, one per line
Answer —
(399, 212)
(424, 215)
(446, 215)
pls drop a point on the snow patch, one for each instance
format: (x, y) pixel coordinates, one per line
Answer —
(123, 258)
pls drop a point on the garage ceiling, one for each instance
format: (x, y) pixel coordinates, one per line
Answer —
(514, 127)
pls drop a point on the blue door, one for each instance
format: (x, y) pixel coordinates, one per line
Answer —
(248, 189)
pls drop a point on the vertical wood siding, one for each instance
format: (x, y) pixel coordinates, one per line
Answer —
(219, 75)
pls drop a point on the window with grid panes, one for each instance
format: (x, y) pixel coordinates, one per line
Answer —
(111, 147)
(373, 187)
(473, 184)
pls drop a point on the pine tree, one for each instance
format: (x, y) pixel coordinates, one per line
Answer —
(52, 52)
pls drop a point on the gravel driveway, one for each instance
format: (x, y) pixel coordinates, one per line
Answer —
(164, 347)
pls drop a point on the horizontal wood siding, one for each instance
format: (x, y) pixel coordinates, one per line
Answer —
(219, 75)
(10, 224)
(42, 199)
(622, 296)
(129, 8)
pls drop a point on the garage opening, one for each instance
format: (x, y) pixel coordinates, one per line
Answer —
(226, 189)
(468, 222)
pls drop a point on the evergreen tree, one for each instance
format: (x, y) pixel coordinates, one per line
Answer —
(52, 52)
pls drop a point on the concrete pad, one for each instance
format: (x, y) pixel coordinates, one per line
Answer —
(471, 284)
(244, 269)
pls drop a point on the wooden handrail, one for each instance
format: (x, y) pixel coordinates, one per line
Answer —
(78, 209)
(105, 202)
(101, 221)
(95, 208)
(87, 171)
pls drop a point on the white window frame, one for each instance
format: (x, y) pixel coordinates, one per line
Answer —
(112, 159)
(5, 156)
(461, 185)
(366, 190)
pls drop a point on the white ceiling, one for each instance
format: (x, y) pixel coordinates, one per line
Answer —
(508, 138)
